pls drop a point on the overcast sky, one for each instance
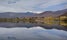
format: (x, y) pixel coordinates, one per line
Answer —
(32, 5)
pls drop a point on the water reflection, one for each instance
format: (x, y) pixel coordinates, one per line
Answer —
(34, 33)
(30, 24)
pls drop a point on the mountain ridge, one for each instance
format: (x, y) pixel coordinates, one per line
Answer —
(31, 14)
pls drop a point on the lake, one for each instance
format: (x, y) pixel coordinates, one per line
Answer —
(32, 31)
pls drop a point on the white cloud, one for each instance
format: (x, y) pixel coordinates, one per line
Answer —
(36, 33)
(52, 2)
(27, 5)
(5, 9)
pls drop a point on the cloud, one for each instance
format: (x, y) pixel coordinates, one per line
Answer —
(29, 5)
(52, 2)
(36, 33)
(57, 7)
(4, 9)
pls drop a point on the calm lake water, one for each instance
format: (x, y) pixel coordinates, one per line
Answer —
(32, 31)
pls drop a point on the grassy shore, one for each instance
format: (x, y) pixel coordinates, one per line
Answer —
(46, 20)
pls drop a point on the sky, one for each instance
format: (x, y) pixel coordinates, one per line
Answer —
(32, 5)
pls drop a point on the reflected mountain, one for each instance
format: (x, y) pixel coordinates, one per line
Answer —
(32, 24)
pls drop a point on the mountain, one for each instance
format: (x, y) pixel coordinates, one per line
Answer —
(61, 12)
(53, 13)
(15, 14)
(31, 14)
(65, 14)
(46, 13)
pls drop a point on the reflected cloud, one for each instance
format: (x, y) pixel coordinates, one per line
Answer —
(34, 33)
